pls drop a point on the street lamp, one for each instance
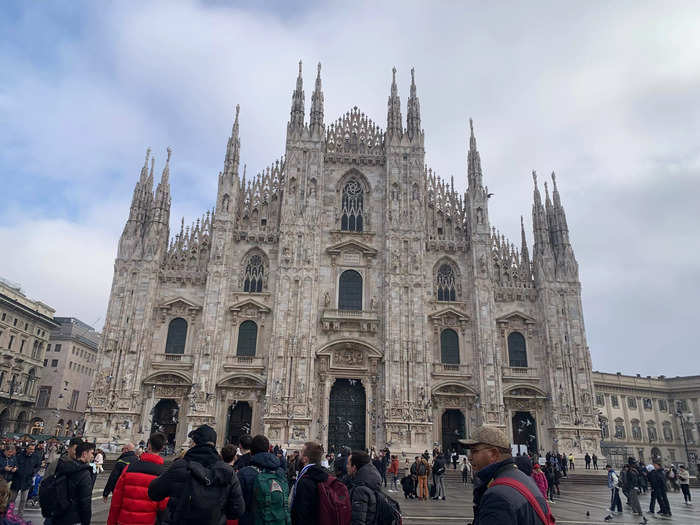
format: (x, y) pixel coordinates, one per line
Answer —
(685, 438)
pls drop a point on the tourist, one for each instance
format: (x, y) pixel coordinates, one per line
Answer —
(684, 480)
(99, 461)
(127, 457)
(340, 466)
(613, 485)
(366, 482)
(422, 476)
(201, 471)
(495, 503)
(262, 461)
(540, 479)
(305, 499)
(130, 501)
(571, 461)
(28, 464)
(633, 489)
(80, 483)
(394, 471)
(65, 456)
(657, 479)
(8, 462)
(229, 453)
(244, 446)
(466, 471)
(595, 461)
(438, 469)
(587, 460)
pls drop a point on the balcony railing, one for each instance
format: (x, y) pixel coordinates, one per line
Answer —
(451, 370)
(362, 320)
(170, 360)
(520, 372)
(241, 361)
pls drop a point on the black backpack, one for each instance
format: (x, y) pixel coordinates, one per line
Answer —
(203, 498)
(388, 510)
(54, 497)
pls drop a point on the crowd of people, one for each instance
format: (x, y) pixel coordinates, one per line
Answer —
(255, 482)
(635, 479)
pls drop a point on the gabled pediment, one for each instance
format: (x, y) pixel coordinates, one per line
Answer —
(249, 304)
(516, 316)
(449, 312)
(352, 245)
(180, 302)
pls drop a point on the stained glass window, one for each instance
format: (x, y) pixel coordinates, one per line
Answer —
(446, 284)
(247, 339)
(254, 273)
(517, 354)
(177, 334)
(352, 203)
(449, 347)
(350, 291)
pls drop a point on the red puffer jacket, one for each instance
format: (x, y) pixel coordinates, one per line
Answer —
(130, 502)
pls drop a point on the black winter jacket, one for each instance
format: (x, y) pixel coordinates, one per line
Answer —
(173, 482)
(365, 483)
(243, 461)
(127, 458)
(80, 483)
(27, 466)
(657, 480)
(305, 503)
(247, 475)
(500, 504)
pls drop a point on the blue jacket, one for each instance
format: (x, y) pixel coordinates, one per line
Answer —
(27, 466)
(247, 475)
(7, 462)
(611, 481)
(500, 504)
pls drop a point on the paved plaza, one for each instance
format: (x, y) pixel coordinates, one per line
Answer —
(570, 508)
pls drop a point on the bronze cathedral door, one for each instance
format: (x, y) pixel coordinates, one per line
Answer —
(346, 415)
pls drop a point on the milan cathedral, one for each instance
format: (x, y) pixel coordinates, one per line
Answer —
(345, 294)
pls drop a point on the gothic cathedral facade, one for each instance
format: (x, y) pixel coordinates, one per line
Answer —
(345, 294)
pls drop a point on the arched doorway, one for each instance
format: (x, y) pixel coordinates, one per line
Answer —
(21, 423)
(453, 429)
(346, 415)
(4, 421)
(240, 417)
(165, 418)
(37, 426)
(525, 431)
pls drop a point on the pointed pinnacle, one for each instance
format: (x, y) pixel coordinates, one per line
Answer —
(413, 77)
(318, 74)
(148, 154)
(554, 181)
(300, 68)
(534, 177)
(471, 126)
(170, 152)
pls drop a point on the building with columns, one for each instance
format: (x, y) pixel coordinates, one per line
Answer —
(649, 417)
(348, 294)
(25, 326)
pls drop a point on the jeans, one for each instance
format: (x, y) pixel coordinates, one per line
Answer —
(665, 507)
(440, 486)
(615, 501)
(652, 501)
(686, 492)
(394, 479)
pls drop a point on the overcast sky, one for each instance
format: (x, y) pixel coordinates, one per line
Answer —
(606, 95)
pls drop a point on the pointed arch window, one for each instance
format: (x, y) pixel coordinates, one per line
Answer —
(177, 335)
(247, 339)
(449, 347)
(254, 274)
(619, 429)
(350, 291)
(446, 289)
(353, 207)
(517, 351)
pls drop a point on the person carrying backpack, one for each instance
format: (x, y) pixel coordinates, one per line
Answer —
(502, 493)
(264, 486)
(201, 487)
(318, 498)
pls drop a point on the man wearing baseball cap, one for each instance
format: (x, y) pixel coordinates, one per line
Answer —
(503, 495)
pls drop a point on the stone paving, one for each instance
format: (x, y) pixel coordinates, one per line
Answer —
(570, 508)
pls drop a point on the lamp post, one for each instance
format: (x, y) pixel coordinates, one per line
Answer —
(685, 438)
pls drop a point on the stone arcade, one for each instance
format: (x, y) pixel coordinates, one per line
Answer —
(345, 294)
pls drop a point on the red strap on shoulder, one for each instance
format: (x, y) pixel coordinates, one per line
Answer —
(520, 487)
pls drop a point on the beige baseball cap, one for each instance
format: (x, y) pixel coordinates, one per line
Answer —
(487, 435)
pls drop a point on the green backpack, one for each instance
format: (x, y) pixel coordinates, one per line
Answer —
(270, 497)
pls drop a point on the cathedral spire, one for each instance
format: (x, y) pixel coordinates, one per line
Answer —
(316, 118)
(559, 213)
(296, 117)
(413, 110)
(474, 176)
(523, 242)
(394, 125)
(233, 149)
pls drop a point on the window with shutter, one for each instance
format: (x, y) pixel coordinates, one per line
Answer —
(177, 335)
(247, 339)
(350, 291)
(449, 347)
(517, 354)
